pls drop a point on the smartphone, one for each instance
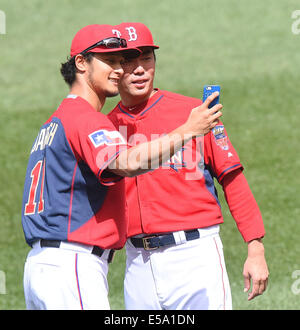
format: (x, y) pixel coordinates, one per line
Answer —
(208, 90)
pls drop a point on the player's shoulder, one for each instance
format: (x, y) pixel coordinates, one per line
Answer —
(218, 132)
(76, 113)
(180, 98)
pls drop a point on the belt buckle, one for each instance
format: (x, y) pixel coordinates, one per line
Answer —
(147, 243)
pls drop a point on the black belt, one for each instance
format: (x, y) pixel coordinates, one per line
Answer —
(156, 241)
(96, 249)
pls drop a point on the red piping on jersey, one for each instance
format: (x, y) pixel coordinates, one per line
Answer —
(77, 280)
(222, 271)
(71, 198)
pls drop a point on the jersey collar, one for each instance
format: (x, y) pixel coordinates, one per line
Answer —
(141, 109)
(71, 96)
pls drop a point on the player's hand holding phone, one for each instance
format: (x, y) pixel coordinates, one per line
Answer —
(203, 119)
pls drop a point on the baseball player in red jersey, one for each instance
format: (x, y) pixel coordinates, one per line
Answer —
(174, 253)
(73, 212)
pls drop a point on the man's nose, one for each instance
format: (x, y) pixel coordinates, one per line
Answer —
(138, 69)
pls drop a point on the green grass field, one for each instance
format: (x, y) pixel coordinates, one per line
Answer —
(246, 47)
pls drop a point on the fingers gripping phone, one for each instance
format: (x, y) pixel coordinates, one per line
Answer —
(208, 90)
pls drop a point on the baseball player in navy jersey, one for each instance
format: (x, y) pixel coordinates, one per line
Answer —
(174, 252)
(73, 212)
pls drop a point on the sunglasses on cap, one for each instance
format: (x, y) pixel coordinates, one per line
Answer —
(109, 43)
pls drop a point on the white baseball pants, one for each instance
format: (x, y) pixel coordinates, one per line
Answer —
(65, 278)
(188, 276)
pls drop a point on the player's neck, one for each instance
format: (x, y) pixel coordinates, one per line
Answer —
(89, 95)
(133, 101)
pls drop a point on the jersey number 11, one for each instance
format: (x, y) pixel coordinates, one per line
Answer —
(30, 206)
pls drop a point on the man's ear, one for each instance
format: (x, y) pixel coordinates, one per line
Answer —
(81, 63)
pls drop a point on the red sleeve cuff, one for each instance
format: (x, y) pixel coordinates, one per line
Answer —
(106, 177)
(229, 170)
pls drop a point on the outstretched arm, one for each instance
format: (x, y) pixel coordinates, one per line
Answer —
(147, 156)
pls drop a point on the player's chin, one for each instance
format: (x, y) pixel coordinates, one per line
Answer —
(139, 91)
(112, 92)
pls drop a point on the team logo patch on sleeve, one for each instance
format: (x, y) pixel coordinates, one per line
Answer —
(104, 137)
(220, 137)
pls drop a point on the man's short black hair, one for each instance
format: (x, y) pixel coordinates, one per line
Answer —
(68, 69)
(131, 55)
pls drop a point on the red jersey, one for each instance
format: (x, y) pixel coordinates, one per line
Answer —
(67, 194)
(180, 195)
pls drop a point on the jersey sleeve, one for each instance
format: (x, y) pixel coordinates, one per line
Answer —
(97, 142)
(243, 206)
(219, 153)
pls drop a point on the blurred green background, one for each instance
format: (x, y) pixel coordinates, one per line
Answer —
(245, 46)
